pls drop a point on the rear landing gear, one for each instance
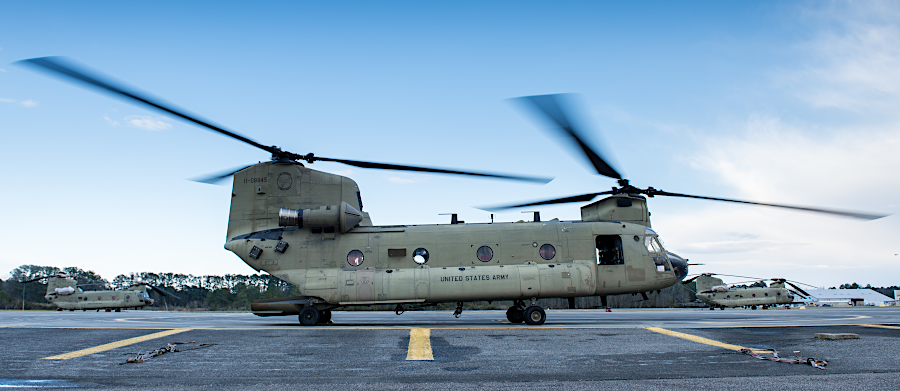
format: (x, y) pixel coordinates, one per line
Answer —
(309, 316)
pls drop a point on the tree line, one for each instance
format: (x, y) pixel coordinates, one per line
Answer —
(235, 292)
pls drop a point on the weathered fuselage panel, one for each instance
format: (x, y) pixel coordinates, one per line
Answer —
(462, 262)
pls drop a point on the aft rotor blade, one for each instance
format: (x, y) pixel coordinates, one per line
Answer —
(387, 166)
(688, 281)
(551, 106)
(61, 67)
(578, 198)
(797, 288)
(798, 293)
(856, 215)
(34, 279)
(161, 291)
(218, 177)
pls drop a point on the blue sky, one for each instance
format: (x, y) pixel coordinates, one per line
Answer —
(790, 102)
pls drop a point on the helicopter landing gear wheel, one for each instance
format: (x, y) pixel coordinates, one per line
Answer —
(515, 315)
(535, 316)
(722, 308)
(325, 317)
(309, 316)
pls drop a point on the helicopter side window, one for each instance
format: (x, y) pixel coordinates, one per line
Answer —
(609, 250)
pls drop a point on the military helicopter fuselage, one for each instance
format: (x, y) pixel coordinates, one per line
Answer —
(714, 292)
(63, 292)
(308, 227)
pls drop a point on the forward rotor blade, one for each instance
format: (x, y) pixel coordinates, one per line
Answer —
(578, 198)
(34, 279)
(551, 106)
(688, 281)
(218, 177)
(856, 215)
(163, 292)
(797, 288)
(386, 166)
(61, 67)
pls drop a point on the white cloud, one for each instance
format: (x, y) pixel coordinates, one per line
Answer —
(404, 181)
(27, 103)
(111, 121)
(2, 70)
(855, 59)
(147, 123)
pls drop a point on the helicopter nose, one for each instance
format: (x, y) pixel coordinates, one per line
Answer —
(679, 265)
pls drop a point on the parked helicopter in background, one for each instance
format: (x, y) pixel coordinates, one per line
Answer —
(714, 292)
(64, 292)
(308, 227)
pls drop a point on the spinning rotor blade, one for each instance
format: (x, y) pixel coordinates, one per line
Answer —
(163, 292)
(551, 106)
(63, 68)
(578, 198)
(798, 293)
(387, 166)
(797, 288)
(60, 67)
(218, 177)
(856, 215)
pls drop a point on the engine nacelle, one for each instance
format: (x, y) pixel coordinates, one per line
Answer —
(342, 216)
(64, 291)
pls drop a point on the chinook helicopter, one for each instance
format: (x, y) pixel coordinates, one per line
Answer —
(714, 292)
(308, 227)
(64, 292)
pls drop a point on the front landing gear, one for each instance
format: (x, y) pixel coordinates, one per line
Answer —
(515, 315)
(535, 316)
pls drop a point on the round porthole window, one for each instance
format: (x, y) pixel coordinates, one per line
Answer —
(420, 256)
(548, 252)
(484, 253)
(636, 238)
(355, 258)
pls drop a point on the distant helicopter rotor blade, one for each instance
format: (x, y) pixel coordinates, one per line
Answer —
(398, 167)
(551, 106)
(62, 67)
(578, 198)
(218, 177)
(798, 294)
(688, 281)
(34, 279)
(797, 288)
(163, 292)
(856, 215)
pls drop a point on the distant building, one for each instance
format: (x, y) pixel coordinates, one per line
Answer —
(847, 297)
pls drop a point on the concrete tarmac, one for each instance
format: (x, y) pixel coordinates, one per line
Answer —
(575, 349)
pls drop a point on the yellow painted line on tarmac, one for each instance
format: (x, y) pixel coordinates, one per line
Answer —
(113, 345)
(706, 341)
(881, 326)
(419, 345)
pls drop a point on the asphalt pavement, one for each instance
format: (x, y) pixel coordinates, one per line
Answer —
(575, 349)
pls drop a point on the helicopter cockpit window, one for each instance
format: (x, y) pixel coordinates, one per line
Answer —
(609, 250)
